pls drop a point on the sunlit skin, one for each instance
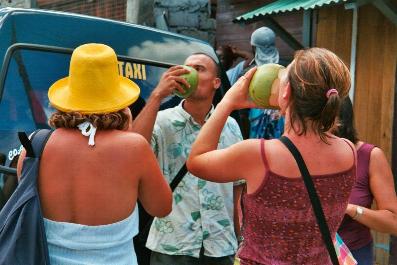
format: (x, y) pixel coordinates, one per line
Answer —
(99, 185)
(200, 102)
(242, 160)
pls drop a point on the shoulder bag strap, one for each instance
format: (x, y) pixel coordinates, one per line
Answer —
(39, 140)
(24, 139)
(35, 145)
(174, 183)
(318, 210)
(181, 173)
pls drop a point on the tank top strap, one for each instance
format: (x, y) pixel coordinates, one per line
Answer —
(263, 154)
(367, 148)
(352, 148)
(364, 152)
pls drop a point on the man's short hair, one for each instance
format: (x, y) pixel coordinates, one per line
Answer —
(218, 69)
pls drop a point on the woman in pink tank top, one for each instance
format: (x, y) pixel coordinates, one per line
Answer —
(279, 225)
(374, 181)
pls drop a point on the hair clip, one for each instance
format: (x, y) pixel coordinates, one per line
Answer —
(331, 91)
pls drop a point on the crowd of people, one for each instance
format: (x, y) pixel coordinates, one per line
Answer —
(100, 161)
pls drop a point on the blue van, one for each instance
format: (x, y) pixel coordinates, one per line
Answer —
(35, 50)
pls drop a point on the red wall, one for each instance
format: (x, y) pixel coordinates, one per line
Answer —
(112, 9)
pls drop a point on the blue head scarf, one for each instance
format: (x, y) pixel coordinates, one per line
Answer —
(265, 50)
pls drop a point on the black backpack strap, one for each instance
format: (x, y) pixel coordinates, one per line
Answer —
(181, 173)
(35, 145)
(174, 183)
(318, 210)
(24, 139)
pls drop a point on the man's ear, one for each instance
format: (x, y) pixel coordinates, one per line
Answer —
(217, 83)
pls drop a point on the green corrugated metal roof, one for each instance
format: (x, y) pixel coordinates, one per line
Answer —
(282, 6)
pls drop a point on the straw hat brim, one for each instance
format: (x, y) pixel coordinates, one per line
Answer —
(122, 96)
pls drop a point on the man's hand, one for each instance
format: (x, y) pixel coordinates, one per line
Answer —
(240, 53)
(171, 81)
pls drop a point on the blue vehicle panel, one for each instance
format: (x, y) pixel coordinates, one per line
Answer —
(35, 50)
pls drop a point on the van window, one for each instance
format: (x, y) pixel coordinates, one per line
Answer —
(24, 104)
(30, 73)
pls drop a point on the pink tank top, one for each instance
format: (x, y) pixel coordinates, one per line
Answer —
(354, 234)
(279, 223)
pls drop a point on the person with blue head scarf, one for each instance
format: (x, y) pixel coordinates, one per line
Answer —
(266, 124)
(263, 43)
(264, 50)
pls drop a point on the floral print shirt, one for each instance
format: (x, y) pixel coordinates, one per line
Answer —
(202, 211)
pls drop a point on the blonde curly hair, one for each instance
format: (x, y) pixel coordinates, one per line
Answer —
(108, 121)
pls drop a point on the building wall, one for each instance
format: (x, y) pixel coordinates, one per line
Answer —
(16, 3)
(188, 17)
(239, 34)
(194, 18)
(375, 77)
(376, 68)
(112, 9)
(141, 12)
(334, 30)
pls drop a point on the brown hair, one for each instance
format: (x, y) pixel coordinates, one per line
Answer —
(313, 72)
(217, 67)
(346, 128)
(108, 121)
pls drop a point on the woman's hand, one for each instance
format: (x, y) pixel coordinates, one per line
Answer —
(351, 210)
(237, 97)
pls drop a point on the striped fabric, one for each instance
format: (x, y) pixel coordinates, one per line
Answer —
(345, 257)
(76, 244)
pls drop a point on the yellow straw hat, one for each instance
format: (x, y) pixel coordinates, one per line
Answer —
(94, 84)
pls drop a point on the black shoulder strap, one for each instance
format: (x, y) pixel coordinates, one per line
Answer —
(39, 140)
(181, 173)
(144, 232)
(34, 147)
(24, 139)
(318, 210)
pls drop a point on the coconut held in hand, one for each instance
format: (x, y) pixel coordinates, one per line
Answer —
(192, 79)
(264, 86)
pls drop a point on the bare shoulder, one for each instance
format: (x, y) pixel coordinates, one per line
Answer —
(341, 146)
(247, 146)
(252, 148)
(133, 137)
(129, 140)
(378, 157)
(112, 142)
(377, 153)
(274, 146)
(351, 144)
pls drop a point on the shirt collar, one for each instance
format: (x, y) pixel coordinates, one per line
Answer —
(189, 117)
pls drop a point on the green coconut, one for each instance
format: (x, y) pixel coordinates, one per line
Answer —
(192, 79)
(260, 88)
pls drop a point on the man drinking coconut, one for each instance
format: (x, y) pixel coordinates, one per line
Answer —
(200, 228)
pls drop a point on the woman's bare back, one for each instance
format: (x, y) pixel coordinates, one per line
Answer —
(91, 185)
